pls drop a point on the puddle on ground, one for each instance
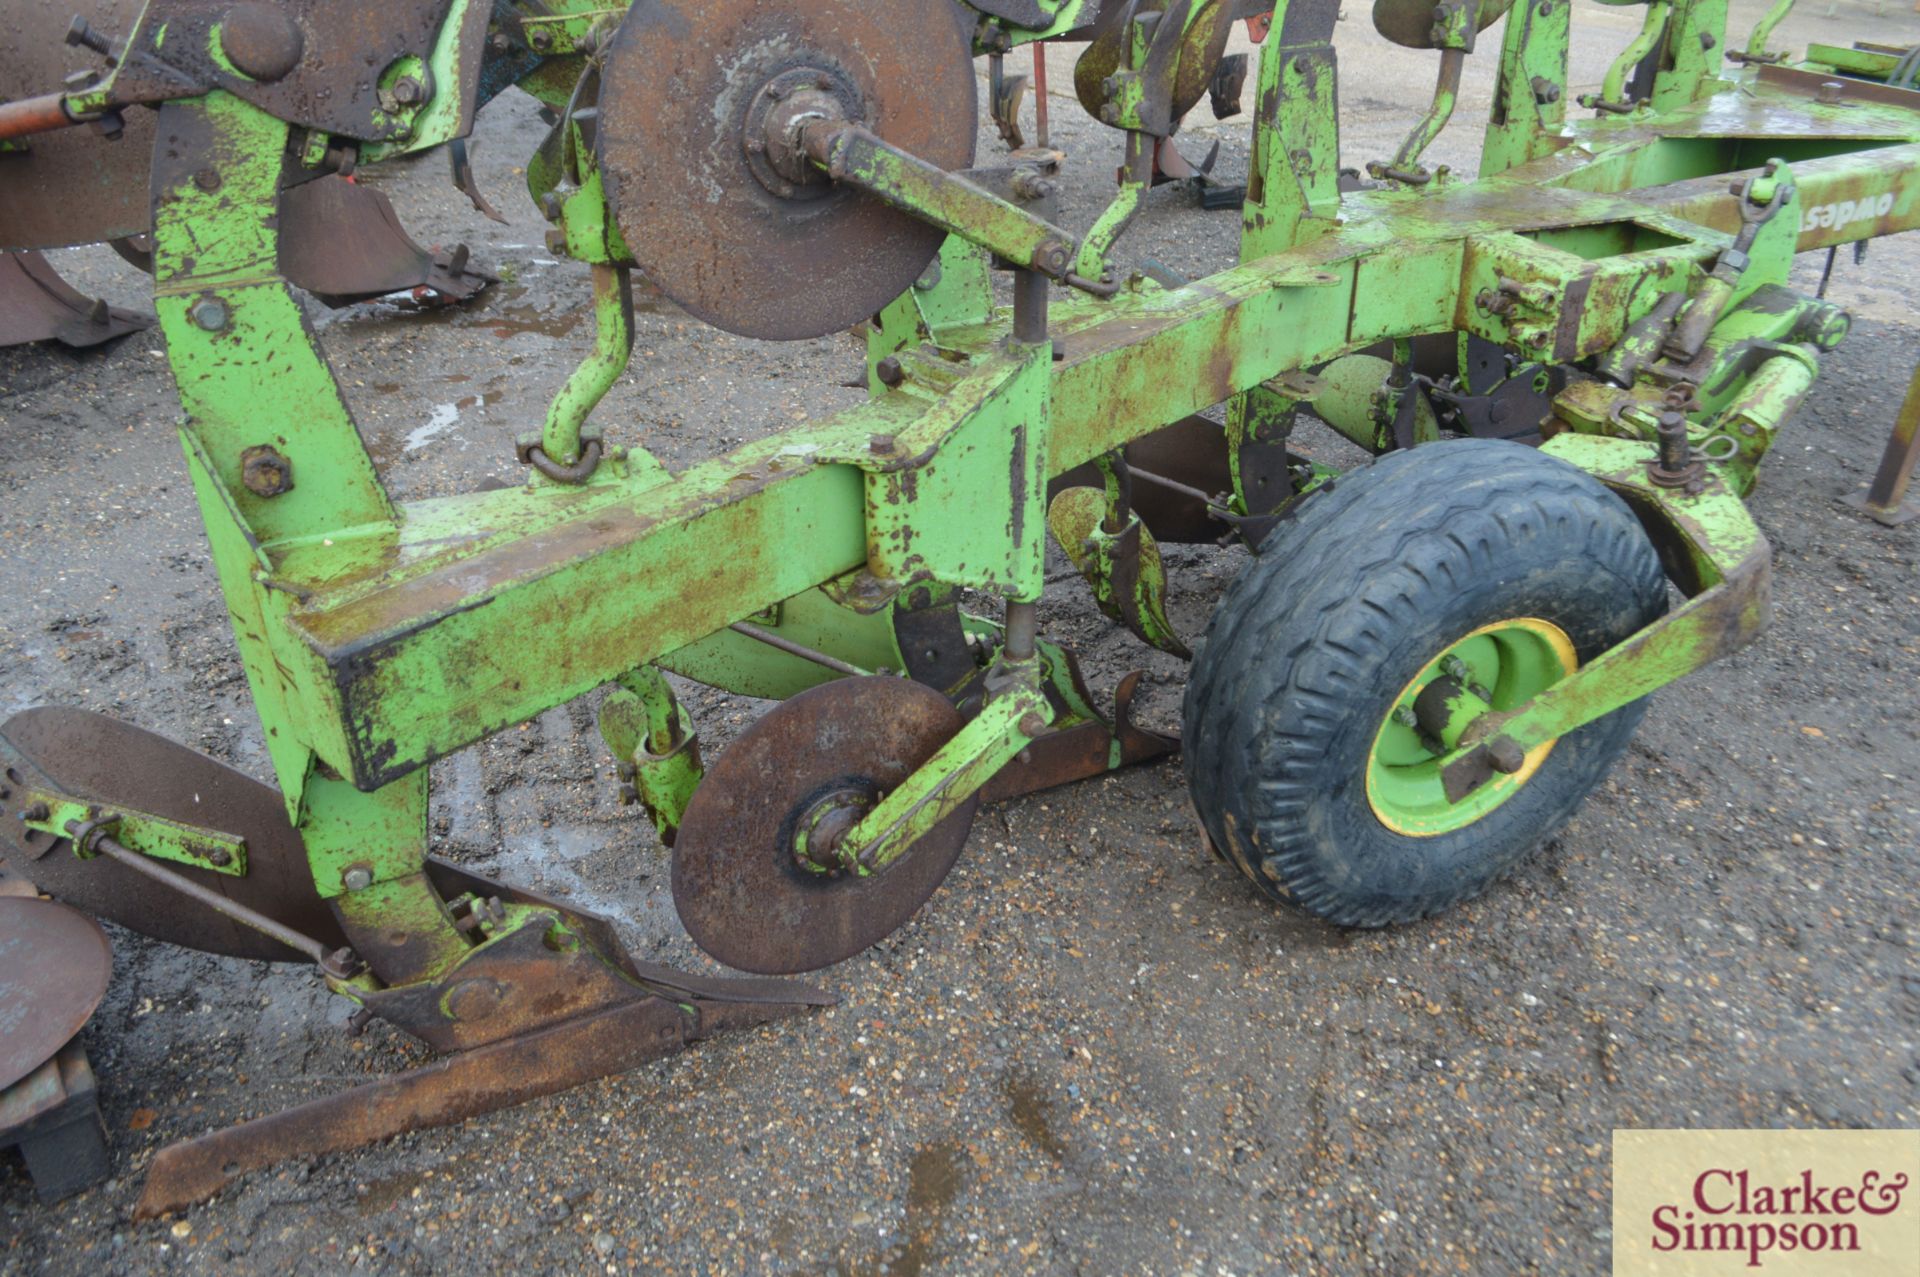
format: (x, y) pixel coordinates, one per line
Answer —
(544, 863)
(444, 418)
(933, 1182)
(1032, 1113)
(383, 1194)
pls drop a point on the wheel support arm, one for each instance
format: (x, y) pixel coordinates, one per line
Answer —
(1710, 544)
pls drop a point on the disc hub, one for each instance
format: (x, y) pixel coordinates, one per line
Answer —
(774, 131)
(824, 826)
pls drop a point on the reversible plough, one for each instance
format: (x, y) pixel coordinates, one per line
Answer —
(1426, 665)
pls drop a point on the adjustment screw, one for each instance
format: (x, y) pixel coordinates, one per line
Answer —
(35, 813)
(81, 33)
(1406, 717)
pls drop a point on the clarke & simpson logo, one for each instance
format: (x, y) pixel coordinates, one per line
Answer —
(1784, 1203)
(1726, 1211)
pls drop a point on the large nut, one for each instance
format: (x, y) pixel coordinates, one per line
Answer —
(266, 472)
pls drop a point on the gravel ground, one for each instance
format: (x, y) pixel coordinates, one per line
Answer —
(1096, 1050)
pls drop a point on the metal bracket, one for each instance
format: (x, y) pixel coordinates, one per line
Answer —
(1712, 548)
(51, 812)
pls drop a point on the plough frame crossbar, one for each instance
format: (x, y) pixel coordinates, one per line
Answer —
(445, 629)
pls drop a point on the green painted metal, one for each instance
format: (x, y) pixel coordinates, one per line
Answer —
(378, 637)
(1496, 668)
(1007, 723)
(655, 749)
(1870, 64)
(1756, 50)
(140, 831)
(1725, 565)
(856, 157)
(1530, 106)
(1613, 89)
(1120, 559)
(612, 347)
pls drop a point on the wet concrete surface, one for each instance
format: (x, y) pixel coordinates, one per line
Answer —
(1096, 1050)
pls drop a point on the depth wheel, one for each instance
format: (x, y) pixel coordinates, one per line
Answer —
(1478, 565)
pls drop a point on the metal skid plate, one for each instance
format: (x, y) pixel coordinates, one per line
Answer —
(37, 305)
(342, 242)
(742, 894)
(678, 91)
(54, 964)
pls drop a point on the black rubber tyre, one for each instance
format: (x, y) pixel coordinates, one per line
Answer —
(1346, 603)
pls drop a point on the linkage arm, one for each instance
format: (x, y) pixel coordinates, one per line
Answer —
(851, 154)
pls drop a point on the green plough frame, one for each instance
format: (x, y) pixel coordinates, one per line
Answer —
(380, 637)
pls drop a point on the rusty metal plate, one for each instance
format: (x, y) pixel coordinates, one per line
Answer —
(741, 893)
(37, 305)
(316, 63)
(450, 1090)
(681, 78)
(1409, 23)
(343, 242)
(73, 186)
(54, 964)
(103, 760)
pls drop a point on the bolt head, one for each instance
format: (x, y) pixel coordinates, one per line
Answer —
(358, 878)
(1506, 756)
(265, 472)
(210, 315)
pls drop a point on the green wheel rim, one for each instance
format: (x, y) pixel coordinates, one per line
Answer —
(1510, 662)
